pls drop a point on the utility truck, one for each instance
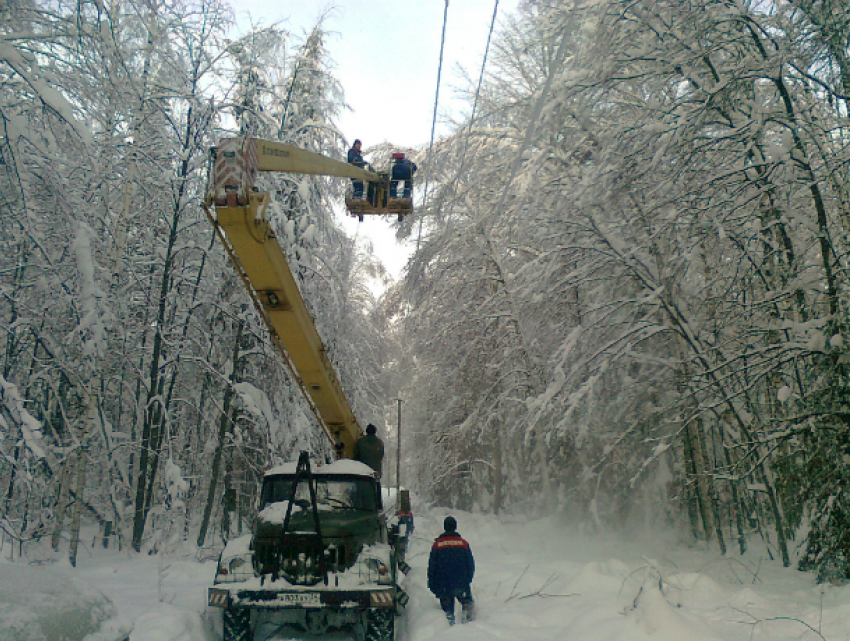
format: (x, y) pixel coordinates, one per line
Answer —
(321, 555)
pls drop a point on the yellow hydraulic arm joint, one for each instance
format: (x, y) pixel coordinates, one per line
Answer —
(250, 242)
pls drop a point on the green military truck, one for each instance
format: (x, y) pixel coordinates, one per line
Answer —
(320, 558)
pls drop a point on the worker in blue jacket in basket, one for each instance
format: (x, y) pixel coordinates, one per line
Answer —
(402, 170)
(450, 571)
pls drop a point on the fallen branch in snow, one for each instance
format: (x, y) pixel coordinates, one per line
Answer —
(539, 592)
(546, 596)
(756, 621)
(513, 589)
(729, 562)
(650, 574)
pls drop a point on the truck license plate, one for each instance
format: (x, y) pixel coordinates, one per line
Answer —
(300, 598)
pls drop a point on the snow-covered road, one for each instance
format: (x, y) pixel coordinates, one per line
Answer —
(535, 580)
(543, 581)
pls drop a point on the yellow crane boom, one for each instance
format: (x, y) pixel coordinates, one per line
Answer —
(241, 224)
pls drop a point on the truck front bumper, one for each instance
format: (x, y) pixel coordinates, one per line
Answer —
(301, 599)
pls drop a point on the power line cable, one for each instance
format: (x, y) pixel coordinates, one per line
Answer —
(477, 94)
(434, 119)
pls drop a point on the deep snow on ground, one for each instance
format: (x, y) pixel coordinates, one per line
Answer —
(65, 608)
(535, 580)
(540, 580)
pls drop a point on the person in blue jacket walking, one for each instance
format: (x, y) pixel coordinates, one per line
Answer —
(450, 571)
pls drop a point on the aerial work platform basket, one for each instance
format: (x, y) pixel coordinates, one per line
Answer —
(382, 196)
(376, 201)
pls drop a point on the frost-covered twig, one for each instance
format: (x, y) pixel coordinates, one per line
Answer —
(539, 591)
(513, 589)
(650, 572)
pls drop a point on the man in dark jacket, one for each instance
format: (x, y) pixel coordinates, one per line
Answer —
(402, 169)
(450, 571)
(369, 449)
(355, 157)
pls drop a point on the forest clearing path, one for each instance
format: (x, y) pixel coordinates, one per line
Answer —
(536, 580)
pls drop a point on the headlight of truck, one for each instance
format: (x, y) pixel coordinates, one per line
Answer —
(237, 568)
(377, 571)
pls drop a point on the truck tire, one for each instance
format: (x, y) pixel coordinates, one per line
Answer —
(380, 624)
(237, 625)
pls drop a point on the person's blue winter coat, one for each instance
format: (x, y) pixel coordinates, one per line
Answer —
(355, 157)
(450, 566)
(403, 169)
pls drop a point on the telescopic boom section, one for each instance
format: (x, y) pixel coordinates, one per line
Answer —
(276, 156)
(259, 259)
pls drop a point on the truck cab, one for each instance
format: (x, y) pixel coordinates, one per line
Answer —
(318, 558)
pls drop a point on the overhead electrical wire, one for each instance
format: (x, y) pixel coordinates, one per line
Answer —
(477, 94)
(434, 119)
(474, 105)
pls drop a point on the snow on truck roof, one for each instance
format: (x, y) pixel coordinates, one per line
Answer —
(341, 467)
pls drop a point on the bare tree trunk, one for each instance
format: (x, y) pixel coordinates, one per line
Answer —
(708, 469)
(76, 508)
(692, 434)
(62, 503)
(223, 427)
(543, 462)
(497, 470)
(691, 492)
(737, 507)
(154, 405)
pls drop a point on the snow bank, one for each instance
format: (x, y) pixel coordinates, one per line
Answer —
(48, 604)
(167, 623)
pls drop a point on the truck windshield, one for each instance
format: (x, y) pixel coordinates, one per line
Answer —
(337, 493)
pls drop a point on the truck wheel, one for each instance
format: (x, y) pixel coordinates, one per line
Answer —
(237, 625)
(380, 624)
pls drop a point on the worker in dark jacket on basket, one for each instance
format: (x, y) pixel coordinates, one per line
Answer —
(355, 157)
(369, 449)
(450, 571)
(402, 170)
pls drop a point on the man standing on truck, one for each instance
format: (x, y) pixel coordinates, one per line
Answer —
(450, 571)
(369, 449)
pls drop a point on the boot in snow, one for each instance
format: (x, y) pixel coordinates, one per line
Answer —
(467, 614)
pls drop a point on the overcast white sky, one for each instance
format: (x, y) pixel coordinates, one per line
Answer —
(386, 54)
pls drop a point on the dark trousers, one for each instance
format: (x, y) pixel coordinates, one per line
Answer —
(408, 184)
(358, 188)
(464, 597)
